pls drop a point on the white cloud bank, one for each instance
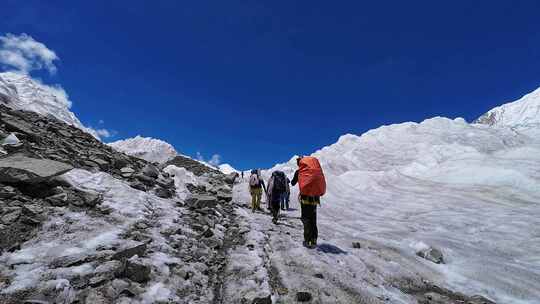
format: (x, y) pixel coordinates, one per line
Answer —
(215, 160)
(26, 54)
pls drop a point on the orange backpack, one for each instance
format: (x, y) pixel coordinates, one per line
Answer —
(311, 177)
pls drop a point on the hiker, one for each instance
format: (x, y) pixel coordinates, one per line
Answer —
(286, 195)
(310, 179)
(276, 189)
(256, 185)
(242, 175)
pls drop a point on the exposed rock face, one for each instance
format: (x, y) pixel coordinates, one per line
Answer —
(432, 254)
(19, 168)
(194, 166)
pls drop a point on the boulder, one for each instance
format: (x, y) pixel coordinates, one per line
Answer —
(102, 164)
(431, 254)
(148, 181)
(303, 296)
(18, 168)
(137, 185)
(137, 270)
(11, 216)
(227, 197)
(262, 300)
(127, 171)
(356, 245)
(164, 193)
(58, 200)
(7, 192)
(231, 177)
(32, 210)
(150, 171)
(201, 201)
(130, 249)
(106, 272)
(91, 198)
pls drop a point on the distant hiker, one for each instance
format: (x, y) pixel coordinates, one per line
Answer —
(242, 175)
(256, 185)
(277, 187)
(286, 195)
(310, 178)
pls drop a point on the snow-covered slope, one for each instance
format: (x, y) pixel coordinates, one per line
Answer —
(147, 148)
(521, 114)
(20, 91)
(469, 189)
(227, 169)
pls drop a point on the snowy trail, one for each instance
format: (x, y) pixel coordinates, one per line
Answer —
(487, 245)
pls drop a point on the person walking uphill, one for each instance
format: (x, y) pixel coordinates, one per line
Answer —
(256, 185)
(277, 187)
(312, 183)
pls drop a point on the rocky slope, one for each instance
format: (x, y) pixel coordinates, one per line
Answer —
(83, 223)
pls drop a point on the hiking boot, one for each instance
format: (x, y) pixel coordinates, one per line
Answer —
(274, 220)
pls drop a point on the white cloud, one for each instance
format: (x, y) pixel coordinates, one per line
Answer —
(26, 54)
(101, 133)
(215, 160)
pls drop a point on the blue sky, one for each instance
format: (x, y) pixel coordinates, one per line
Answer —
(259, 81)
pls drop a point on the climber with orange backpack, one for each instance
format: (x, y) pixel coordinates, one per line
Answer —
(312, 183)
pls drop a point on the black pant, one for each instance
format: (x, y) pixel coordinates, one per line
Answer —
(274, 206)
(309, 219)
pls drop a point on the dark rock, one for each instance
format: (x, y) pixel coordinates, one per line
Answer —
(319, 275)
(165, 182)
(7, 192)
(20, 168)
(303, 296)
(11, 216)
(91, 199)
(265, 300)
(202, 201)
(148, 181)
(137, 270)
(58, 200)
(129, 250)
(69, 261)
(231, 177)
(163, 193)
(431, 254)
(137, 185)
(227, 197)
(127, 171)
(106, 272)
(150, 171)
(102, 164)
(208, 233)
(64, 133)
(356, 245)
(104, 209)
(119, 161)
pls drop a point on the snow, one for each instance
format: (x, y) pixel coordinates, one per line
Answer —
(470, 190)
(20, 91)
(147, 148)
(11, 139)
(522, 115)
(227, 169)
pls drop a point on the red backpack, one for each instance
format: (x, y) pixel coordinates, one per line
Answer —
(311, 177)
